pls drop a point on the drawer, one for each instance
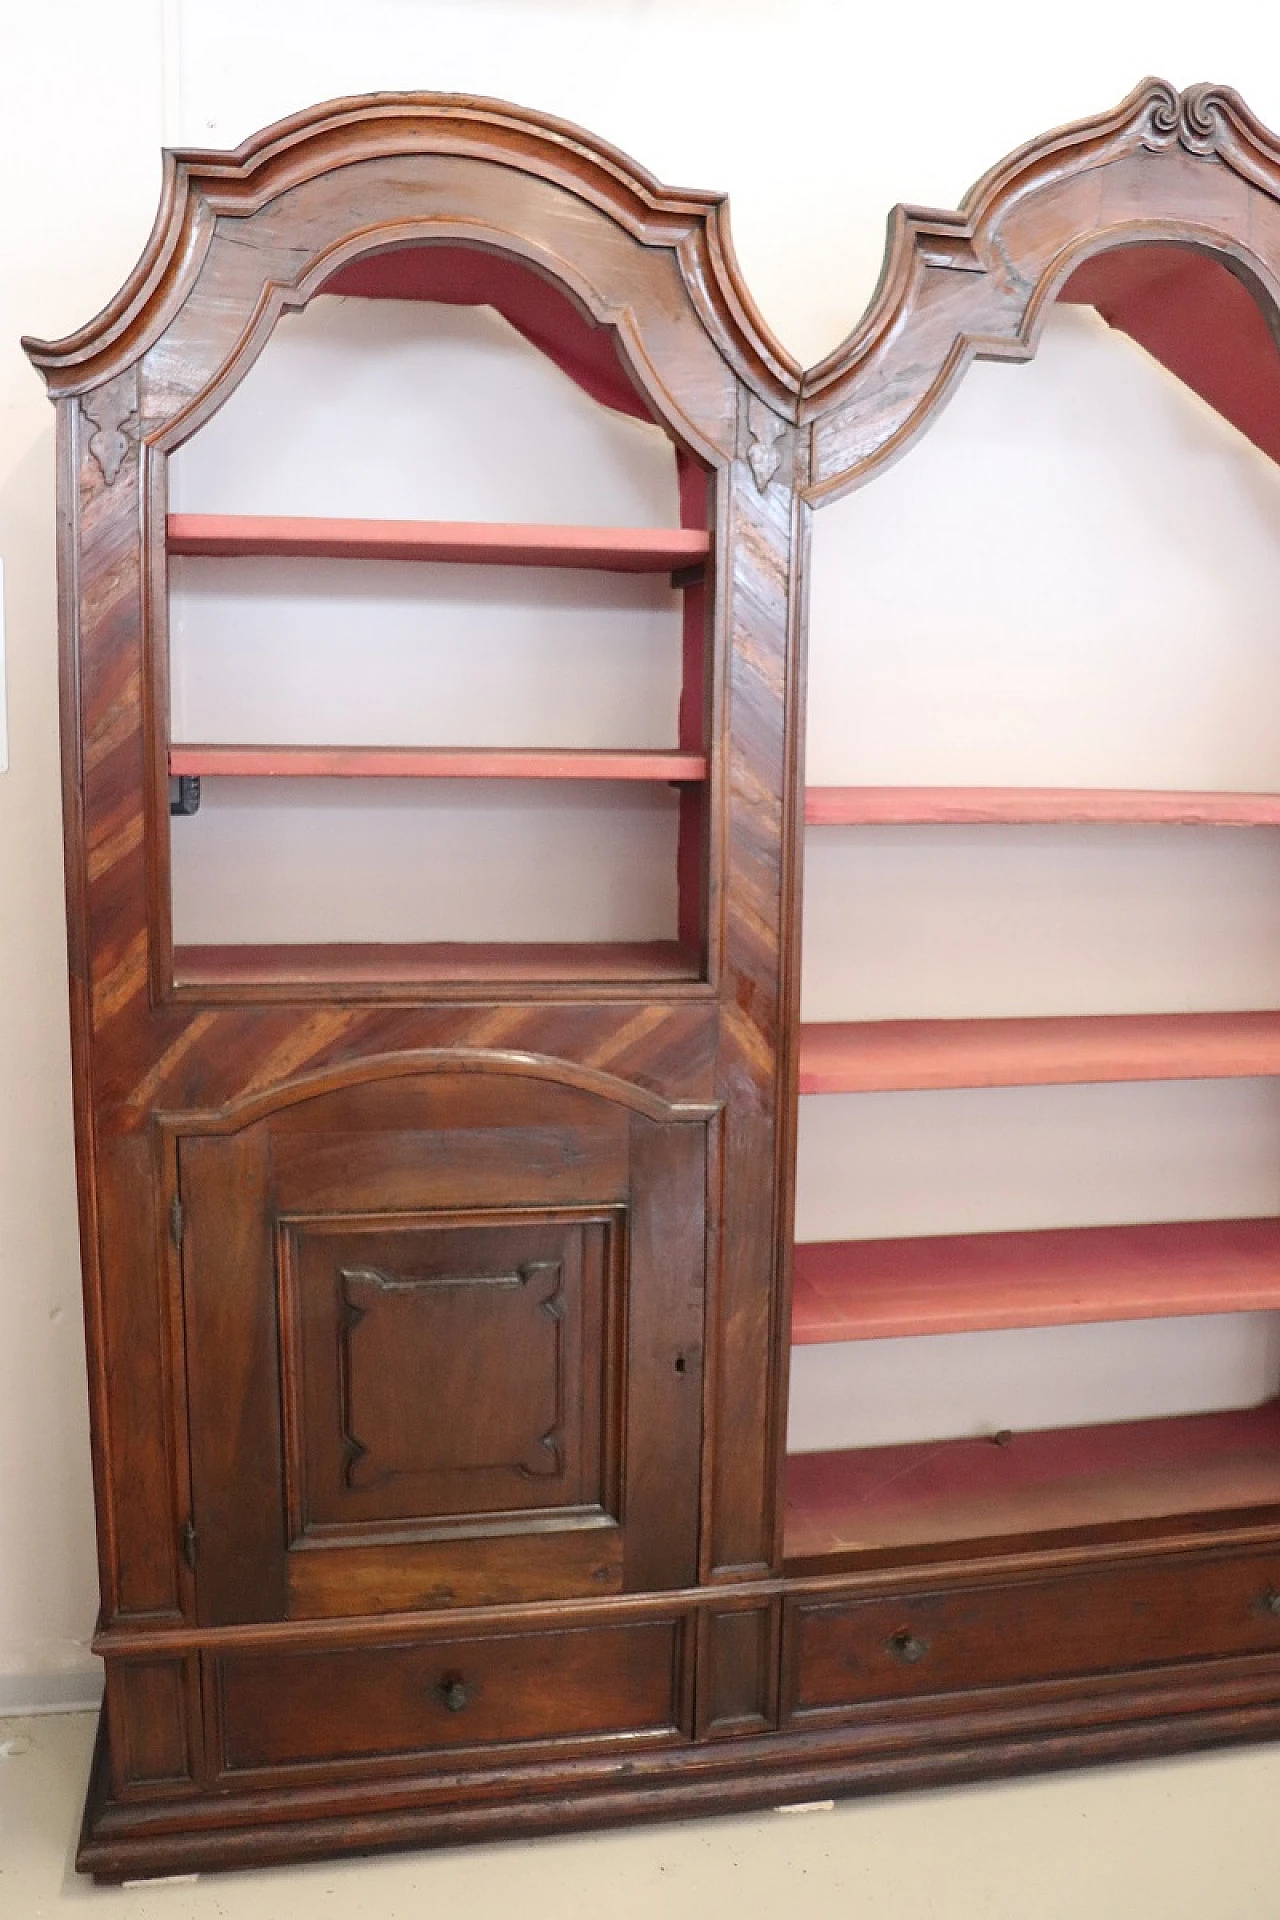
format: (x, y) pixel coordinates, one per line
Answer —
(843, 1652)
(283, 1709)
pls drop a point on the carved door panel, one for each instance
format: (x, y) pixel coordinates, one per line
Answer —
(442, 1351)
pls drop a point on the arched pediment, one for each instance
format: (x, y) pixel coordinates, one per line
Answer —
(268, 224)
(1193, 169)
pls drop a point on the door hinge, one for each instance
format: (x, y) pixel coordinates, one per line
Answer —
(175, 1220)
(190, 1546)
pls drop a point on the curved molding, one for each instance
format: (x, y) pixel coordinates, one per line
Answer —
(278, 297)
(975, 283)
(201, 186)
(261, 1103)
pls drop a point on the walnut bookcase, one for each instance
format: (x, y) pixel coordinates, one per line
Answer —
(439, 1296)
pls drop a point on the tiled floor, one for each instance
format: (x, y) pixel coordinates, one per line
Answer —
(1190, 1839)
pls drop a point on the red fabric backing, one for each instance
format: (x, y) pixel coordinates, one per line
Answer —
(467, 276)
(1197, 318)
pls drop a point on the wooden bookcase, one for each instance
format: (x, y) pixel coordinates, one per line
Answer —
(440, 1294)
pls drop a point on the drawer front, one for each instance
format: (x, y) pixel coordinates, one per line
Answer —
(369, 1703)
(842, 1653)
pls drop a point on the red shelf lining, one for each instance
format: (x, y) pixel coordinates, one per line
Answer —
(435, 962)
(460, 274)
(477, 543)
(965, 1283)
(1199, 319)
(842, 1504)
(437, 763)
(1035, 806)
(884, 1056)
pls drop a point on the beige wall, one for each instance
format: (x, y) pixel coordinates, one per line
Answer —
(80, 100)
(814, 113)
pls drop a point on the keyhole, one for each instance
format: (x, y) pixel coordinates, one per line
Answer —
(680, 1363)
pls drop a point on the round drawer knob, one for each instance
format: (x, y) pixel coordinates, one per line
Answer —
(1269, 1602)
(904, 1646)
(452, 1692)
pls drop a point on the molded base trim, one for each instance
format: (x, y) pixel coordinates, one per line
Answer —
(934, 1742)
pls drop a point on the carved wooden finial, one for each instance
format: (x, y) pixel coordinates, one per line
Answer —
(1196, 118)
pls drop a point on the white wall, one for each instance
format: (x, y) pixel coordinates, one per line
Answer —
(814, 114)
(80, 123)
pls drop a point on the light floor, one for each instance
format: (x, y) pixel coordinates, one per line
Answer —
(1187, 1839)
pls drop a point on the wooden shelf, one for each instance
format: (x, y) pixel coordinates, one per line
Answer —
(1034, 806)
(843, 1504)
(960, 1283)
(881, 1056)
(657, 962)
(476, 543)
(437, 763)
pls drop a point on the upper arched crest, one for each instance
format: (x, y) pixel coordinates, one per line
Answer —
(1195, 168)
(202, 189)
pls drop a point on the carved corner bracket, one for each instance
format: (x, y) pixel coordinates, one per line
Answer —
(113, 414)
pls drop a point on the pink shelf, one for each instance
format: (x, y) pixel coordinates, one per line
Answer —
(479, 543)
(438, 763)
(886, 1289)
(1034, 806)
(880, 1056)
(843, 1504)
(438, 962)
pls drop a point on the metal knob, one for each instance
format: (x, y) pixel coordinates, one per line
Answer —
(1269, 1602)
(453, 1693)
(904, 1646)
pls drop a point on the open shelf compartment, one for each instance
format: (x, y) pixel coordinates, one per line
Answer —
(869, 1499)
(883, 1056)
(435, 963)
(1034, 806)
(475, 543)
(190, 760)
(417, 883)
(964, 1283)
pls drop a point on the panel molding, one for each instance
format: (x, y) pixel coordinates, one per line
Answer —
(571, 1461)
(545, 1457)
(260, 1103)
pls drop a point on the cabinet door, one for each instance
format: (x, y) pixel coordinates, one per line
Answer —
(444, 1347)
